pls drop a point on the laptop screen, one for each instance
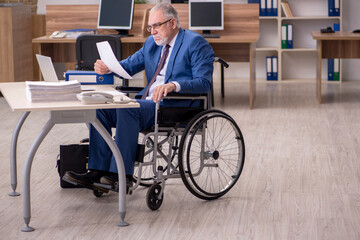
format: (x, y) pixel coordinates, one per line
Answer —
(47, 68)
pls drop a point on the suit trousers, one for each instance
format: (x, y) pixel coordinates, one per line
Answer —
(128, 123)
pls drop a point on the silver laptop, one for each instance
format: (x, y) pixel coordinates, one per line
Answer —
(47, 68)
(48, 71)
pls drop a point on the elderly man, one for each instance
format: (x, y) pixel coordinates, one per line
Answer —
(174, 59)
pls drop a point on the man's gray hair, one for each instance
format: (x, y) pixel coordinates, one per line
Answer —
(167, 10)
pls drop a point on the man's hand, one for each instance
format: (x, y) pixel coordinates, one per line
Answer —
(159, 91)
(100, 67)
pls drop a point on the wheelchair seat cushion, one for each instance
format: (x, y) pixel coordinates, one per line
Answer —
(171, 116)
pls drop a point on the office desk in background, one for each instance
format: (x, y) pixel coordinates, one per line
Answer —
(236, 44)
(60, 112)
(236, 48)
(334, 45)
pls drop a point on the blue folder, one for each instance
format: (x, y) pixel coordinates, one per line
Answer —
(269, 74)
(274, 8)
(331, 5)
(330, 69)
(263, 7)
(337, 8)
(290, 35)
(274, 68)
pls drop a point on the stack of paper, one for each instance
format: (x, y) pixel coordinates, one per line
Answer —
(52, 91)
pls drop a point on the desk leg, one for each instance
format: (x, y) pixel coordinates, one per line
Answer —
(120, 168)
(318, 70)
(13, 169)
(26, 180)
(252, 63)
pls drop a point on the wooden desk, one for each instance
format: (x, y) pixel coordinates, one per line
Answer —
(334, 45)
(60, 112)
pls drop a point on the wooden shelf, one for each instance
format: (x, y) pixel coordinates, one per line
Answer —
(302, 28)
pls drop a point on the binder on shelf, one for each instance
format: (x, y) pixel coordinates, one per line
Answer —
(253, 1)
(283, 36)
(337, 8)
(289, 36)
(268, 7)
(274, 8)
(274, 68)
(330, 69)
(268, 68)
(263, 8)
(336, 27)
(336, 74)
(331, 5)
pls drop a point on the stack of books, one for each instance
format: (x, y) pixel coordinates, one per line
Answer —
(52, 91)
(287, 10)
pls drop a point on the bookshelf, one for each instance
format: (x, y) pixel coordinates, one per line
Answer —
(298, 62)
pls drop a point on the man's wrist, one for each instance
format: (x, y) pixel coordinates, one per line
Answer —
(177, 86)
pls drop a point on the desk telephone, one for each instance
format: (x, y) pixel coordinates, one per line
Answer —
(58, 34)
(99, 97)
(95, 97)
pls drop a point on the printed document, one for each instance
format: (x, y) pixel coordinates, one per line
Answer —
(108, 57)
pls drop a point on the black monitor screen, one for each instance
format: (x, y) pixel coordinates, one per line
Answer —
(116, 14)
(206, 15)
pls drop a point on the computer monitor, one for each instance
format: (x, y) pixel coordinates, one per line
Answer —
(116, 14)
(206, 15)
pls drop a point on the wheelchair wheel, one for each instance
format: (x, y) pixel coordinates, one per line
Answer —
(211, 155)
(153, 198)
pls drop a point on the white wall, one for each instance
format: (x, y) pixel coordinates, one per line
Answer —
(351, 20)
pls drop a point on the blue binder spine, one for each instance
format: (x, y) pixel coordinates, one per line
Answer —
(289, 36)
(268, 68)
(330, 69)
(331, 5)
(337, 8)
(263, 8)
(274, 68)
(89, 77)
(274, 8)
(268, 8)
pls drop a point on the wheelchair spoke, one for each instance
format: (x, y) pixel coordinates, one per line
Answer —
(211, 154)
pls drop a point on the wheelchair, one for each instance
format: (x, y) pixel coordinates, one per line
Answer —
(202, 146)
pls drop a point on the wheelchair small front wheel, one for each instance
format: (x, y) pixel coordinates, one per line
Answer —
(153, 198)
(97, 193)
(211, 154)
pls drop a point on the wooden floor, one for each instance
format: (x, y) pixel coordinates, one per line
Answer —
(301, 178)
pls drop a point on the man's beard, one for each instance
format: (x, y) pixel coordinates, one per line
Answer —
(161, 42)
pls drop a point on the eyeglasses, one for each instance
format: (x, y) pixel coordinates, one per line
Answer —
(156, 26)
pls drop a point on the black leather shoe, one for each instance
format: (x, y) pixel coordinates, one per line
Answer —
(85, 179)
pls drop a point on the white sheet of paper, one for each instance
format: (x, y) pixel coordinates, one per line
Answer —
(108, 57)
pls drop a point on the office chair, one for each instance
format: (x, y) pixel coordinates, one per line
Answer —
(87, 53)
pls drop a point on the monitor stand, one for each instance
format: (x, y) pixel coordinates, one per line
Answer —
(208, 34)
(124, 33)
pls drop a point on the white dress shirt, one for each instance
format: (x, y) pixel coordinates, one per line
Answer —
(160, 79)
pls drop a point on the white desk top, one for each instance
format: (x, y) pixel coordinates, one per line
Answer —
(15, 96)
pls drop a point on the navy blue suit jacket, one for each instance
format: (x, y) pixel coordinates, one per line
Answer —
(190, 63)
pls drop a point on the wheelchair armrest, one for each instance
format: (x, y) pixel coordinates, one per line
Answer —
(221, 61)
(125, 89)
(186, 95)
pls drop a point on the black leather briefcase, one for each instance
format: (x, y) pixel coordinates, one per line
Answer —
(73, 157)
